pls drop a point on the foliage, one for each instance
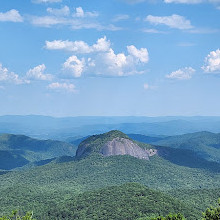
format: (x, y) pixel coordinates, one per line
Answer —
(178, 216)
(65, 185)
(43, 187)
(16, 216)
(128, 201)
(204, 197)
(205, 144)
(212, 213)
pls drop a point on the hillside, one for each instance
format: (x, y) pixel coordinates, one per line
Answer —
(63, 179)
(128, 201)
(117, 143)
(10, 160)
(36, 189)
(19, 150)
(205, 144)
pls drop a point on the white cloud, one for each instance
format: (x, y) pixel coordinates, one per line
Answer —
(99, 58)
(48, 21)
(173, 21)
(182, 74)
(47, 1)
(102, 44)
(79, 20)
(212, 62)
(12, 16)
(65, 11)
(79, 13)
(142, 54)
(78, 46)
(74, 46)
(74, 66)
(112, 64)
(37, 73)
(121, 17)
(10, 77)
(75, 24)
(62, 87)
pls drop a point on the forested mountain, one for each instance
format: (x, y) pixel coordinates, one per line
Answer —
(128, 201)
(205, 144)
(19, 150)
(55, 189)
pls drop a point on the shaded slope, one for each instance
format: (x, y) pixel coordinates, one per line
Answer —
(10, 160)
(33, 149)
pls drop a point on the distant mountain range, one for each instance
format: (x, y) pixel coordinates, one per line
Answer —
(45, 127)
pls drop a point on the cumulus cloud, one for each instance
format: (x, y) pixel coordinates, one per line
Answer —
(173, 21)
(99, 58)
(79, 13)
(182, 74)
(113, 64)
(62, 87)
(74, 66)
(141, 55)
(65, 11)
(102, 44)
(37, 73)
(212, 62)
(12, 16)
(10, 77)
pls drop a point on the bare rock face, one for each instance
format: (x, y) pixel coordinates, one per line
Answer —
(122, 146)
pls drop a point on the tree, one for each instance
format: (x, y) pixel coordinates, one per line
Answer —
(171, 217)
(212, 213)
(16, 216)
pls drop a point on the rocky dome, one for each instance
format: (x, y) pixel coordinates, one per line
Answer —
(114, 143)
(122, 146)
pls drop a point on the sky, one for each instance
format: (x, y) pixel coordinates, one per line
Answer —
(110, 58)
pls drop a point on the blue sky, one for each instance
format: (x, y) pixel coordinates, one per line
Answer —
(112, 57)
